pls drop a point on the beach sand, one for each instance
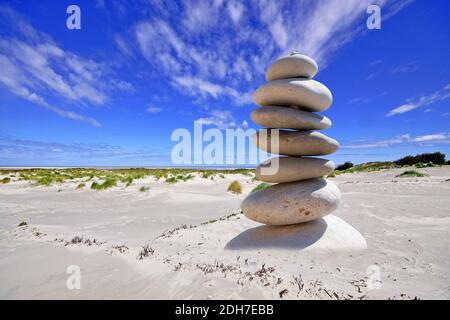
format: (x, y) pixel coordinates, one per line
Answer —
(190, 241)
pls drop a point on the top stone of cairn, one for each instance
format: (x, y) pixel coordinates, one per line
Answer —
(295, 65)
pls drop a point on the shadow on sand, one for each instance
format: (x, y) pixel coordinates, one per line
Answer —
(298, 236)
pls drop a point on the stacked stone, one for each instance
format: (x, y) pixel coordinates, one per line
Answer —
(288, 101)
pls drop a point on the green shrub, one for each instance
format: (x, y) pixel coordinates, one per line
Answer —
(368, 167)
(128, 180)
(235, 187)
(435, 158)
(108, 183)
(178, 178)
(412, 173)
(144, 189)
(260, 186)
(425, 165)
(344, 166)
(207, 174)
(5, 180)
(44, 180)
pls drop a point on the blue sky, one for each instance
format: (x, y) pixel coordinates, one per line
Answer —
(113, 92)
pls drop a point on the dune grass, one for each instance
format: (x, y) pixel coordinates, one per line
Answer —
(412, 173)
(128, 180)
(108, 183)
(260, 186)
(235, 187)
(81, 186)
(47, 177)
(425, 165)
(178, 178)
(144, 189)
(366, 167)
(5, 180)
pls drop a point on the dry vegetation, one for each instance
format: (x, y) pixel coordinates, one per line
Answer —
(102, 179)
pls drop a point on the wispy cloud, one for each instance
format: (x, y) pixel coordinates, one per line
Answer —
(422, 101)
(235, 10)
(219, 119)
(153, 109)
(34, 152)
(213, 49)
(405, 68)
(34, 67)
(435, 138)
(199, 87)
(364, 100)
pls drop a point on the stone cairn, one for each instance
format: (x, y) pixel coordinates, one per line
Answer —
(288, 101)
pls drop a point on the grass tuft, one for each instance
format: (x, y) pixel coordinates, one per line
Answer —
(5, 180)
(425, 165)
(260, 186)
(178, 178)
(412, 173)
(108, 183)
(128, 180)
(144, 189)
(235, 187)
(22, 224)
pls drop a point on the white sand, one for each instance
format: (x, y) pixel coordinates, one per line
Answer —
(405, 223)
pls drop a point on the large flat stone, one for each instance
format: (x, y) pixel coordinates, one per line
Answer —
(292, 169)
(295, 65)
(306, 94)
(296, 143)
(289, 118)
(291, 203)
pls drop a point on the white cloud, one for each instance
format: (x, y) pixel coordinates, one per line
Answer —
(432, 137)
(422, 101)
(235, 10)
(215, 49)
(403, 139)
(199, 87)
(405, 68)
(35, 68)
(17, 83)
(122, 45)
(153, 109)
(219, 118)
(330, 26)
(201, 15)
(32, 152)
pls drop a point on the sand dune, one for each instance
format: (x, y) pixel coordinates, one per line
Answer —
(190, 241)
